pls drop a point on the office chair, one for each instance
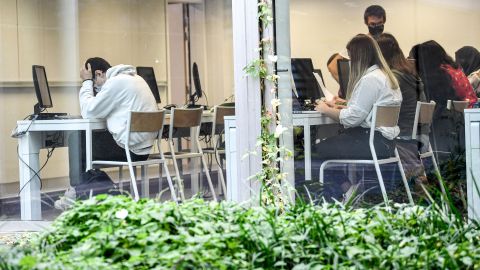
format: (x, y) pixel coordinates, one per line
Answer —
(218, 129)
(187, 118)
(142, 122)
(383, 116)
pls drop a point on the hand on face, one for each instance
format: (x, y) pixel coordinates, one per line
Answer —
(86, 74)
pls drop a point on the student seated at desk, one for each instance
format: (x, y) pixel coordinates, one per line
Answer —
(371, 81)
(412, 91)
(110, 93)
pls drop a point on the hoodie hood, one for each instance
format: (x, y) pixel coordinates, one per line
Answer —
(121, 69)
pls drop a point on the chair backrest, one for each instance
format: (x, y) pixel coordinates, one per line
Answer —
(386, 116)
(146, 121)
(186, 118)
(423, 115)
(220, 112)
(457, 105)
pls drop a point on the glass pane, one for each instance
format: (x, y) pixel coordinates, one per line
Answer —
(44, 159)
(320, 32)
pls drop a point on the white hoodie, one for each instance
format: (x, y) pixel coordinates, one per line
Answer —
(123, 91)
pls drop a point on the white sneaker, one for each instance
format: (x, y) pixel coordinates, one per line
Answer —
(67, 200)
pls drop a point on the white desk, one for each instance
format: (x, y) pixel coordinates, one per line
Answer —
(472, 151)
(29, 146)
(306, 120)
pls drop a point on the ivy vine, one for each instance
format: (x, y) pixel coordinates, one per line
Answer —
(274, 189)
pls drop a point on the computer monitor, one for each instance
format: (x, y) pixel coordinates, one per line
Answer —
(319, 72)
(343, 66)
(42, 90)
(198, 87)
(306, 85)
(148, 74)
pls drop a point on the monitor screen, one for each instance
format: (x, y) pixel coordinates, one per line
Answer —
(196, 81)
(343, 76)
(305, 83)
(148, 75)
(41, 87)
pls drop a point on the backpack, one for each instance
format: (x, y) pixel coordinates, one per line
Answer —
(94, 182)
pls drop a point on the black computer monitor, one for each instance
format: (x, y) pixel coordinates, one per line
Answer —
(343, 66)
(41, 89)
(306, 85)
(148, 74)
(196, 83)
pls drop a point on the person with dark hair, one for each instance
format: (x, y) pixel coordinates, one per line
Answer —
(468, 58)
(119, 91)
(410, 83)
(371, 82)
(412, 91)
(375, 18)
(99, 67)
(443, 80)
(442, 77)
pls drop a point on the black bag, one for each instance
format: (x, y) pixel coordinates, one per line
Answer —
(95, 182)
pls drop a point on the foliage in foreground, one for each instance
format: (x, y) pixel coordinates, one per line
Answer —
(118, 233)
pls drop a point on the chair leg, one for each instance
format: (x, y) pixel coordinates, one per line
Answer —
(221, 177)
(322, 173)
(177, 173)
(120, 178)
(160, 174)
(404, 178)
(380, 181)
(145, 182)
(133, 183)
(170, 183)
(204, 163)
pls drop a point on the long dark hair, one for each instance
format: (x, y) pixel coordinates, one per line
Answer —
(364, 53)
(438, 87)
(468, 58)
(394, 55)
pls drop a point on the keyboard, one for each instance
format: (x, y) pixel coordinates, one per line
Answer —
(304, 112)
(68, 117)
(46, 116)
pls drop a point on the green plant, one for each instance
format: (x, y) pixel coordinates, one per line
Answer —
(118, 233)
(273, 189)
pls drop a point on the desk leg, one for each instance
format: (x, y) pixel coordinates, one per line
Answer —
(307, 142)
(30, 197)
(88, 146)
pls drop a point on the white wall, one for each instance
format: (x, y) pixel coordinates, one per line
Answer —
(212, 48)
(320, 28)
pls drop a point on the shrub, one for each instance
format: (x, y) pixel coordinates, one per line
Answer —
(118, 233)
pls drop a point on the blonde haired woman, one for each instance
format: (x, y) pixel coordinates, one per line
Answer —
(371, 81)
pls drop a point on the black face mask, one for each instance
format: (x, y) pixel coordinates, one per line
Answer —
(375, 30)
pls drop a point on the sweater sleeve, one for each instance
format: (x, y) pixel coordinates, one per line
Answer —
(98, 106)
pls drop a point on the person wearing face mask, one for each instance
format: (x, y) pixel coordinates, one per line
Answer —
(109, 93)
(375, 18)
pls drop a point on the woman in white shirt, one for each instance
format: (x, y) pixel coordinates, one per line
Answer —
(371, 81)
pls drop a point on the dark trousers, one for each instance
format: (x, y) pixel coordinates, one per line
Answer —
(104, 147)
(352, 143)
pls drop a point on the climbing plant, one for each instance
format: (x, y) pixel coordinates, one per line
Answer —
(274, 189)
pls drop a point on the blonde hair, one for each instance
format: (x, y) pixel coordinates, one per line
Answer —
(364, 52)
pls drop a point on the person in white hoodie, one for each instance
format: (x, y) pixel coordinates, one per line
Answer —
(111, 93)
